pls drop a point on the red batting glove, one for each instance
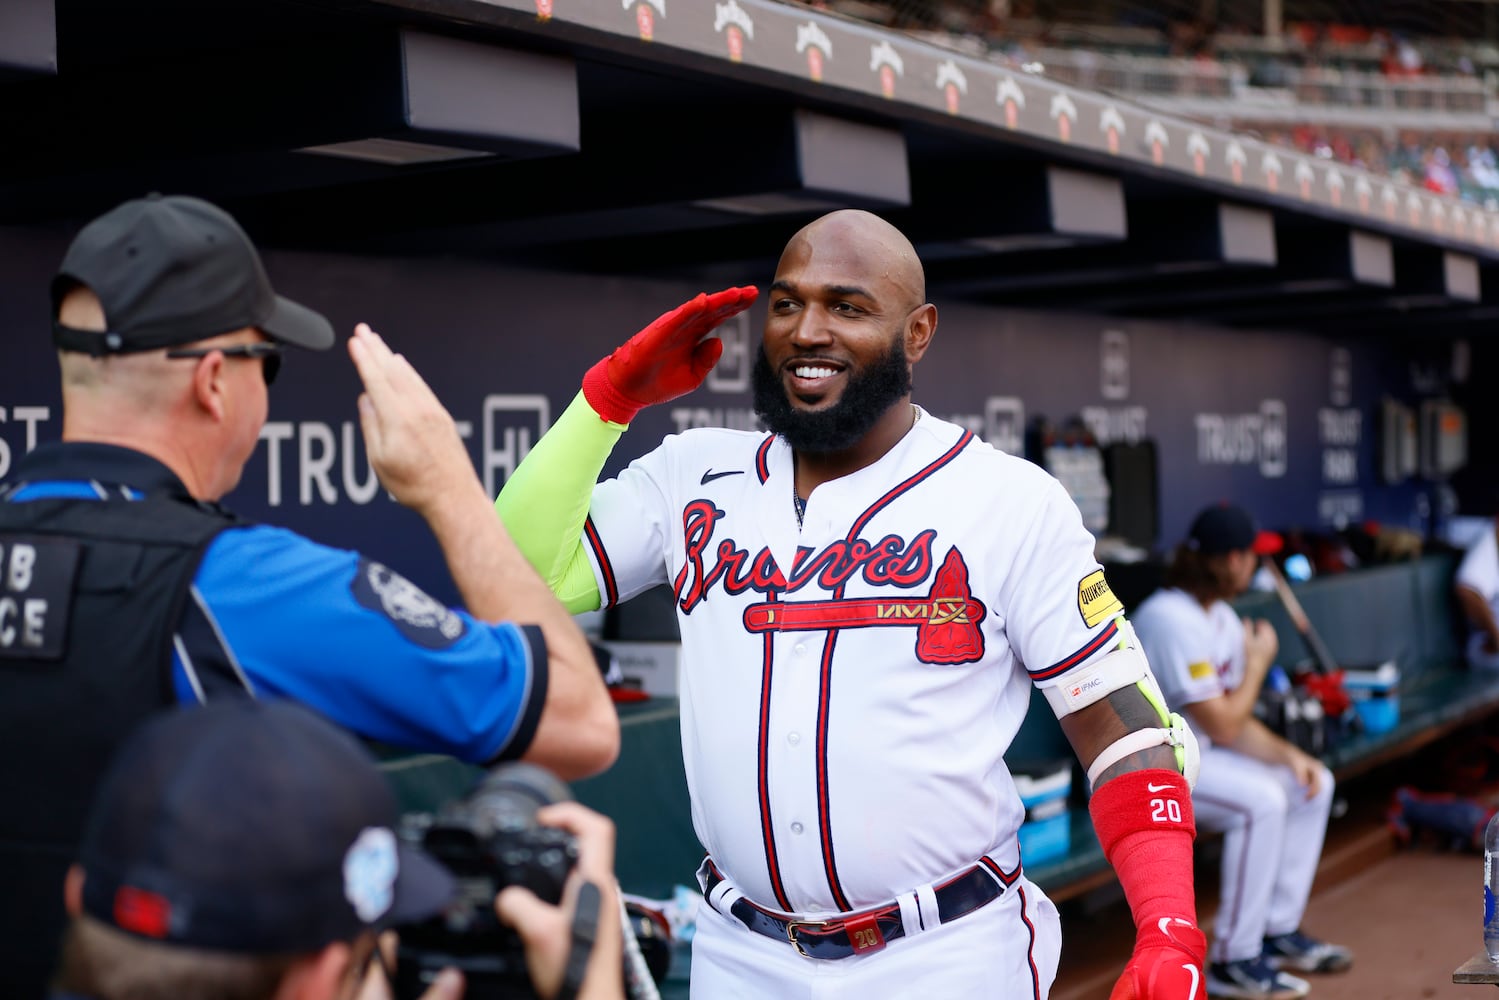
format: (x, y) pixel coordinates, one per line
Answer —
(667, 359)
(1167, 963)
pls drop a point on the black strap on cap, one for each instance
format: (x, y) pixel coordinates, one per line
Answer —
(585, 933)
(97, 344)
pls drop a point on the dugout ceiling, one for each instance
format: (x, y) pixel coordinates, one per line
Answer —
(688, 139)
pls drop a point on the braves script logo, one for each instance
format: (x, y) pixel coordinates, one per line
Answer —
(946, 619)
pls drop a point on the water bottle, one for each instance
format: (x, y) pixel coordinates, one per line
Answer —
(1490, 888)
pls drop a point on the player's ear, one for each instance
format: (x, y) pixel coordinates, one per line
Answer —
(921, 325)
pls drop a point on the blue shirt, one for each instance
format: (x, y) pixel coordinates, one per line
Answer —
(327, 627)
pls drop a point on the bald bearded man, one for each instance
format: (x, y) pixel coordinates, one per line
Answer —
(866, 595)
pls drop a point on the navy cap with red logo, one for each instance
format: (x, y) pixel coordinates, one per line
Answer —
(251, 827)
(1227, 528)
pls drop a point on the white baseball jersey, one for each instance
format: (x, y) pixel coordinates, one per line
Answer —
(849, 688)
(1479, 571)
(1195, 653)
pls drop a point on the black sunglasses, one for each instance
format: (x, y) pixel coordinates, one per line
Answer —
(268, 353)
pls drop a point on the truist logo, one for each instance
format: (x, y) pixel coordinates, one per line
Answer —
(730, 20)
(811, 39)
(883, 59)
(891, 561)
(646, 12)
(952, 83)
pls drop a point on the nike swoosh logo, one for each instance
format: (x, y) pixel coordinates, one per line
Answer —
(1157, 788)
(1165, 924)
(710, 475)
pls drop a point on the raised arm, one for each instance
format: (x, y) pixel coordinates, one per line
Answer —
(415, 449)
(545, 502)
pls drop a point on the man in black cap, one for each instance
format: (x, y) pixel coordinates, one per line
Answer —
(247, 850)
(125, 588)
(1269, 798)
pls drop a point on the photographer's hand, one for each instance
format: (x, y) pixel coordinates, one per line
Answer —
(546, 930)
(376, 984)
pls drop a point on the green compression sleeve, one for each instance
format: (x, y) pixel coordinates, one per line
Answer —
(545, 502)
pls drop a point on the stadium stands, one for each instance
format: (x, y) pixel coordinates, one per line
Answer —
(1419, 109)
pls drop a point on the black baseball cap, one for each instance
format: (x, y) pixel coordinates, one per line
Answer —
(253, 827)
(1226, 528)
(171, 270)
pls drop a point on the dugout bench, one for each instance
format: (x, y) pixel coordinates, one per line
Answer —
(1403, 611)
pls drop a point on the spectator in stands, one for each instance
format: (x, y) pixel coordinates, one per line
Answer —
(143, 592)
(1478, 595)
(1270, 799)
(247, 850)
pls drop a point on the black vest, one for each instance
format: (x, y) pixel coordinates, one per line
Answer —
(92, 593)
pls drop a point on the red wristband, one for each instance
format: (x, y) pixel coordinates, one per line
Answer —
(608, 402)
(1145, 824)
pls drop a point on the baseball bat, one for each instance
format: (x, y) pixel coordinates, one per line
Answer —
(1325, 663)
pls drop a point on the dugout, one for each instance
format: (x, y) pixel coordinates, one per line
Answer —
(506, 188)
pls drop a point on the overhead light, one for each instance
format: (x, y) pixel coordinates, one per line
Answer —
(769, 203)
(394, 152)
(1021, 241)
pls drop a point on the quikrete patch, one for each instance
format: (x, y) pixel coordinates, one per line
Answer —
(36, 595)
(1095, 601)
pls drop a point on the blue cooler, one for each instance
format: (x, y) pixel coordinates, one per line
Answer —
(1047, 830)
(1376, 695)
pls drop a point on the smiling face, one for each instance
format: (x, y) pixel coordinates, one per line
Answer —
(845, 323)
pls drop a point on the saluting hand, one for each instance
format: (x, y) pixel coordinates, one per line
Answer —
(411, 439)
(669, 358)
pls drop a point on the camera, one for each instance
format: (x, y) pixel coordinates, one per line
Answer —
(489, 839)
